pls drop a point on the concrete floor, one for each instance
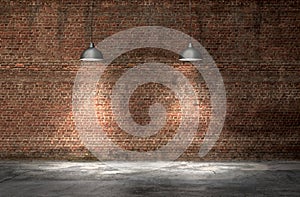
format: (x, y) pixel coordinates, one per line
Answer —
(41, 178)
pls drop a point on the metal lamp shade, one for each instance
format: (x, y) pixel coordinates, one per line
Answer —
(91, 54)
(190, 54)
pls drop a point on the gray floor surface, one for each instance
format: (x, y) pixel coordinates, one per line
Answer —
(56, 178)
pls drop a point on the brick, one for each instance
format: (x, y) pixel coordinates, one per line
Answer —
(255, 45)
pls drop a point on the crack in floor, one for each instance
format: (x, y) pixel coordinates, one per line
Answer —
(13, 177)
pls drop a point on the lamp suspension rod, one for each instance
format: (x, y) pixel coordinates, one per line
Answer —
(91, 21)
(190, 9)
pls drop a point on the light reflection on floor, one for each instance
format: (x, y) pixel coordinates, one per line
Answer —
(47, 178)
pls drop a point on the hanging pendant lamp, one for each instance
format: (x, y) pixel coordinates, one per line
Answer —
(91, 53)
(190, 53)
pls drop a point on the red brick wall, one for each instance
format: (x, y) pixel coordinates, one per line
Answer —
(255, 45)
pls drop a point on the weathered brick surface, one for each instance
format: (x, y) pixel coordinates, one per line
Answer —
(255, 45)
